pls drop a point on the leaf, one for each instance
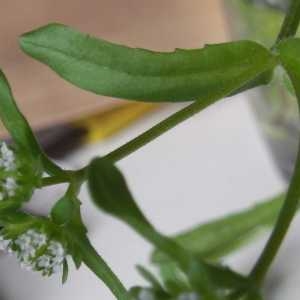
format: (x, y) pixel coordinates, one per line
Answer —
(65, 271)
(110, 192)
(63, 211)
(148, 276)
(141, 293)
(97, 265)
(138, 74)
(20, 130)
(14, 121)
(173, 278)
(289, 57)
(262, 79)
(8, 206)
(217, 238)
(66, 212)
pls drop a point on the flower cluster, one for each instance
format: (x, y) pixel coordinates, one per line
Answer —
(19, 174)
(35, 251)
(8, 185)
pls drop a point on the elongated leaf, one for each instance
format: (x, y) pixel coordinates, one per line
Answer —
(217, 238)
(20, 130)
(114, 70)
(110, 193)
(14, 121)
(148, 276)
(97, 265)
(65, 272)
(289, 56)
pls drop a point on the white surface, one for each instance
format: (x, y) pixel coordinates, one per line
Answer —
(212, 164)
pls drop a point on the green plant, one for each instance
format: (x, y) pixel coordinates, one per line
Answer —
(188, 263)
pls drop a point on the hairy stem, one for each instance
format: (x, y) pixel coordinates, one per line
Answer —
(291, 21)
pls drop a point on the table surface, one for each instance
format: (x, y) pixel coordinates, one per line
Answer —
(212, 164)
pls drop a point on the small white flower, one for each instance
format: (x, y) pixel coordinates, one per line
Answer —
(7, 158)
(39, 239)
(56, 269)
(44, 262)
(26, 266)
(57, 260)
(56, 248)
(4, 243)
(23, 241)
(29, 250)
(10, 186)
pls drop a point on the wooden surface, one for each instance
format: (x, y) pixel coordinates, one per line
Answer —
(156, 24)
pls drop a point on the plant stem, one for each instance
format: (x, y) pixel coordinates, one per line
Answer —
(291, 21)
(158, 129)
(50, 166)
(67, 177)
(195, 269)
(97, 265)
(142, 139)
(46, 181)
(284, 220)
(290, 205)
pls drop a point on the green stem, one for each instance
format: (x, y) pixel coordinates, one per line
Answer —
(51, 167)
(46, 181)
(282, 225)
(159, 129)
(291, 21)
(97, 265)
(67, 177)
(195, 269)
(290, 205)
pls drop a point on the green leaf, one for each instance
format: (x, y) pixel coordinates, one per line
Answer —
(14, 121)
(97, 265)
(138, 74)
(141, 293)
(20, 130)
(289, 55)
(217, 238)
(110, 192)
(66, 212)
(65, 271)
(173, 278)
(250, 294)
(63, 211)
(262, 79)
(148, 276)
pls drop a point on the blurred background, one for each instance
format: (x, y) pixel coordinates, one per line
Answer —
(224, 159)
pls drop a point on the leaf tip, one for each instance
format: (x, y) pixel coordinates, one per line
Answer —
(32, 35)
